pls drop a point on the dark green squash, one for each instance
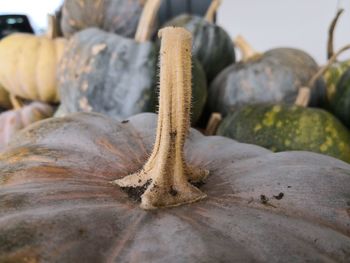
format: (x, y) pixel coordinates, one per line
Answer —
(336, 70)
(116, 16)
(340, 101)
(57, 202)
(281, 127)
(274, 76)
(110, 74)
(212, 46)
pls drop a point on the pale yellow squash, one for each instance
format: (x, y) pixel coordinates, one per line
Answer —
(28, 66)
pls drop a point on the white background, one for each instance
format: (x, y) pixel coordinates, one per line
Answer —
(264, 23)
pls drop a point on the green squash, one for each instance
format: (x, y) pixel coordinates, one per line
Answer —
(115, 16)
(340, 102)
(271, 77)
(334, 72)
(212, 45)
(281, 127)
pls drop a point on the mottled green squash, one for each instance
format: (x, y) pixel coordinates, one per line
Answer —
(115, 16)
(288, 127)
(340, 101)
(211, 43)
(335, 71)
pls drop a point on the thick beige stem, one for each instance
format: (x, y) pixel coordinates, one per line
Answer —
(166, 172)
(301, 93)
(52, 30)
(16, 102)
(330, 44)
(209, 16)
(247, 51)
(145, 27)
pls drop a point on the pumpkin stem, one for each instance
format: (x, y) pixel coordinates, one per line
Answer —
(52, 30)
(301, 92)
(330, 47)
(213, 123)
(145, 27)
(16, 102)
(210, 14)
(166, 173)
(247, 51)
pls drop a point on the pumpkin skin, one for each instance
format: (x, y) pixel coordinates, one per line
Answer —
(4, 98)
(274, 76)
(14, 120)
(57, 205)
(340, 102)
(212, 46)
(115, 16)
(288, 127)
(28, 66)
(116, 76)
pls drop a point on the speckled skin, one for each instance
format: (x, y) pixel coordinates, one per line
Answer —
(340, 102)
(115, 16)
(107, 73)
(211, 44)
(116, 76)
(274, 76)
(57, 204)
(332, 77)
(286, 128)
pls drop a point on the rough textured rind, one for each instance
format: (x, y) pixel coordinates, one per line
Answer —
(286, 128)
(115, 16)
(57, 205)
(340, 101)
(274, 76)
(212, 46)
(116, 76)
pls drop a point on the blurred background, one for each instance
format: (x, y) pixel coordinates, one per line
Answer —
(266, 23)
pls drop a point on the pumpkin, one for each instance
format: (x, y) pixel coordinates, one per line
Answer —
(14, 120)
(340, 101)
(28, 65)
(333, 73)
(115, 16)
(281, 127)
(274, 76)
(57, 203)
(212, 45)
(4, 98)
(114, 75)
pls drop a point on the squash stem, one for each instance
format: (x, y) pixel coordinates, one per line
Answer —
(301, 93)
(330, 47)
(247, 51)
(52, 30)
(166, 172)
(16, 102)
(210, 14)
(145, 27)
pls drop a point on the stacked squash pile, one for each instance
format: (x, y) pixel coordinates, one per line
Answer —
(78, 187)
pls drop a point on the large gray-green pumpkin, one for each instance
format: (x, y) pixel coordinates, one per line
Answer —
(288, 127)
(274, 76)
(212, 46)
(117, 16)
(116, 76)
(57, 203)
(340, 101)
